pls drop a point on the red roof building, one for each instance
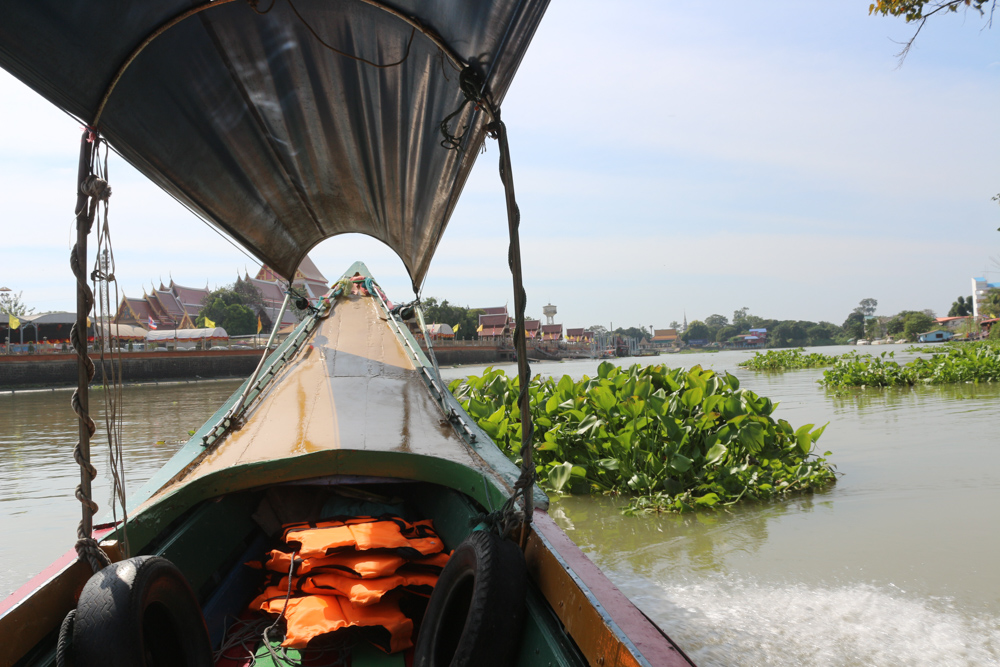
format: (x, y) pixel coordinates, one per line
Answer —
(532, 329)
(192, 298)
(492, 327)
(308, 278)
(579, 335)
(552, 332)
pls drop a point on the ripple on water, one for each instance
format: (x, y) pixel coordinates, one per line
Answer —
(725, 621)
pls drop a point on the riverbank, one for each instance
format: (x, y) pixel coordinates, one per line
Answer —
(19, 372)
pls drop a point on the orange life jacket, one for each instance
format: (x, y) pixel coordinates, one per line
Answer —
(359, 591)
(324, 538)
(314, 615)
(361, 564)
(350, 571)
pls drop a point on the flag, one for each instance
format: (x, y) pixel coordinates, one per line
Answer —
(480, 329)
(152, 323)
(14, 322)
(454, 329)
(209, 324)
(259, 325)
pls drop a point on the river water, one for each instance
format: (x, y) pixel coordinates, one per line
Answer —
(895, 565)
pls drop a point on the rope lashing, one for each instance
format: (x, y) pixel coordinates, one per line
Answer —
(90, 191)
(526, 480)
(472, 86)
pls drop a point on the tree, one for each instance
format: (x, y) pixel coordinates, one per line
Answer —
(961, 307)
(740, 318)
(917, 323)
(674, 324)
(697, 330)
(466, 318)
(716, 321)
(787, 334)
(854, 325)
(725, 333)
(921, 10)
(12, 304)
(235, 308)
(867, 306)
(597, 329)
(632, 332)
(991, 303)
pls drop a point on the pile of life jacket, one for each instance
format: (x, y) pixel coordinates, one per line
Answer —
(351, 572)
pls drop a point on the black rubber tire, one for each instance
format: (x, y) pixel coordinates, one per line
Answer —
(476, 612)
(140, 612)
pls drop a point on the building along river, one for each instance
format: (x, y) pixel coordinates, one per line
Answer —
(895, 565)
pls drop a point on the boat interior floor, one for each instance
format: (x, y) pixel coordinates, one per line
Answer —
(213, 542)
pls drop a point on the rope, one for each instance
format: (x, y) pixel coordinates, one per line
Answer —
(284, 607)
(526, 480)
(65, 644)
(338, 51)
(427, 339)
(472, 87)
(93, 190)
(102, 276)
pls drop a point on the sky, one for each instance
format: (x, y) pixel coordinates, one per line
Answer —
(670, 160)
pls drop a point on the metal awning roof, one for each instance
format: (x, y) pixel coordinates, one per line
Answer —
(283, 125)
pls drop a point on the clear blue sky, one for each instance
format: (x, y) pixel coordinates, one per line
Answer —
(668, 157)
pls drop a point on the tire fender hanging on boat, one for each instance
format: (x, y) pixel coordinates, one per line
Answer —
(476, 613)
(140, 612)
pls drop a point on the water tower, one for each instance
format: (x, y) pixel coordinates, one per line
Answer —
(550, 313)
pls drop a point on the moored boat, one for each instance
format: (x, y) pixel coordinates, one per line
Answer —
(285, 125)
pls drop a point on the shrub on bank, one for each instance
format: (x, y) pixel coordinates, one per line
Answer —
(673, 439)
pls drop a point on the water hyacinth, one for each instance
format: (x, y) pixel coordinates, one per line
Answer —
(674, 439)
(783, 360)
(966, 362)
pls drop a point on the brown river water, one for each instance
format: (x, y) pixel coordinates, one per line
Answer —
(898, 564)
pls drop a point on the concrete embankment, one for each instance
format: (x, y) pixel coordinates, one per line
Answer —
(460, 355)
(59, 370)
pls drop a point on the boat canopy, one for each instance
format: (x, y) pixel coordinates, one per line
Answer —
(288, 122)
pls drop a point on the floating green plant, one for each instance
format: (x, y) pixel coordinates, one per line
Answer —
(967, 362)
(674, 439)
(783, 360)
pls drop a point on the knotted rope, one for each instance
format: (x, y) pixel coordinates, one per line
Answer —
(91, 191)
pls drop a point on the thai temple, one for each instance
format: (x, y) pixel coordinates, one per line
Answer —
(174, 306)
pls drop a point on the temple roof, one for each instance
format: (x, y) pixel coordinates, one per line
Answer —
(190, 296)
(171, 304)
(499, 320)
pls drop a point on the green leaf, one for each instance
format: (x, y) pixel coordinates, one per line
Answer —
(565, 387)
(478, 409)
(559, 475)
(603, 397)
(552, 405)
(491, 429)
(692, 397)
(680, 463)
(708, 499)
(715, 454)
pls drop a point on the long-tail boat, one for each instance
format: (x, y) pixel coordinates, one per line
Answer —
(284, 123)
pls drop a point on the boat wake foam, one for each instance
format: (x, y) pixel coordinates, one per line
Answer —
(721, 622)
